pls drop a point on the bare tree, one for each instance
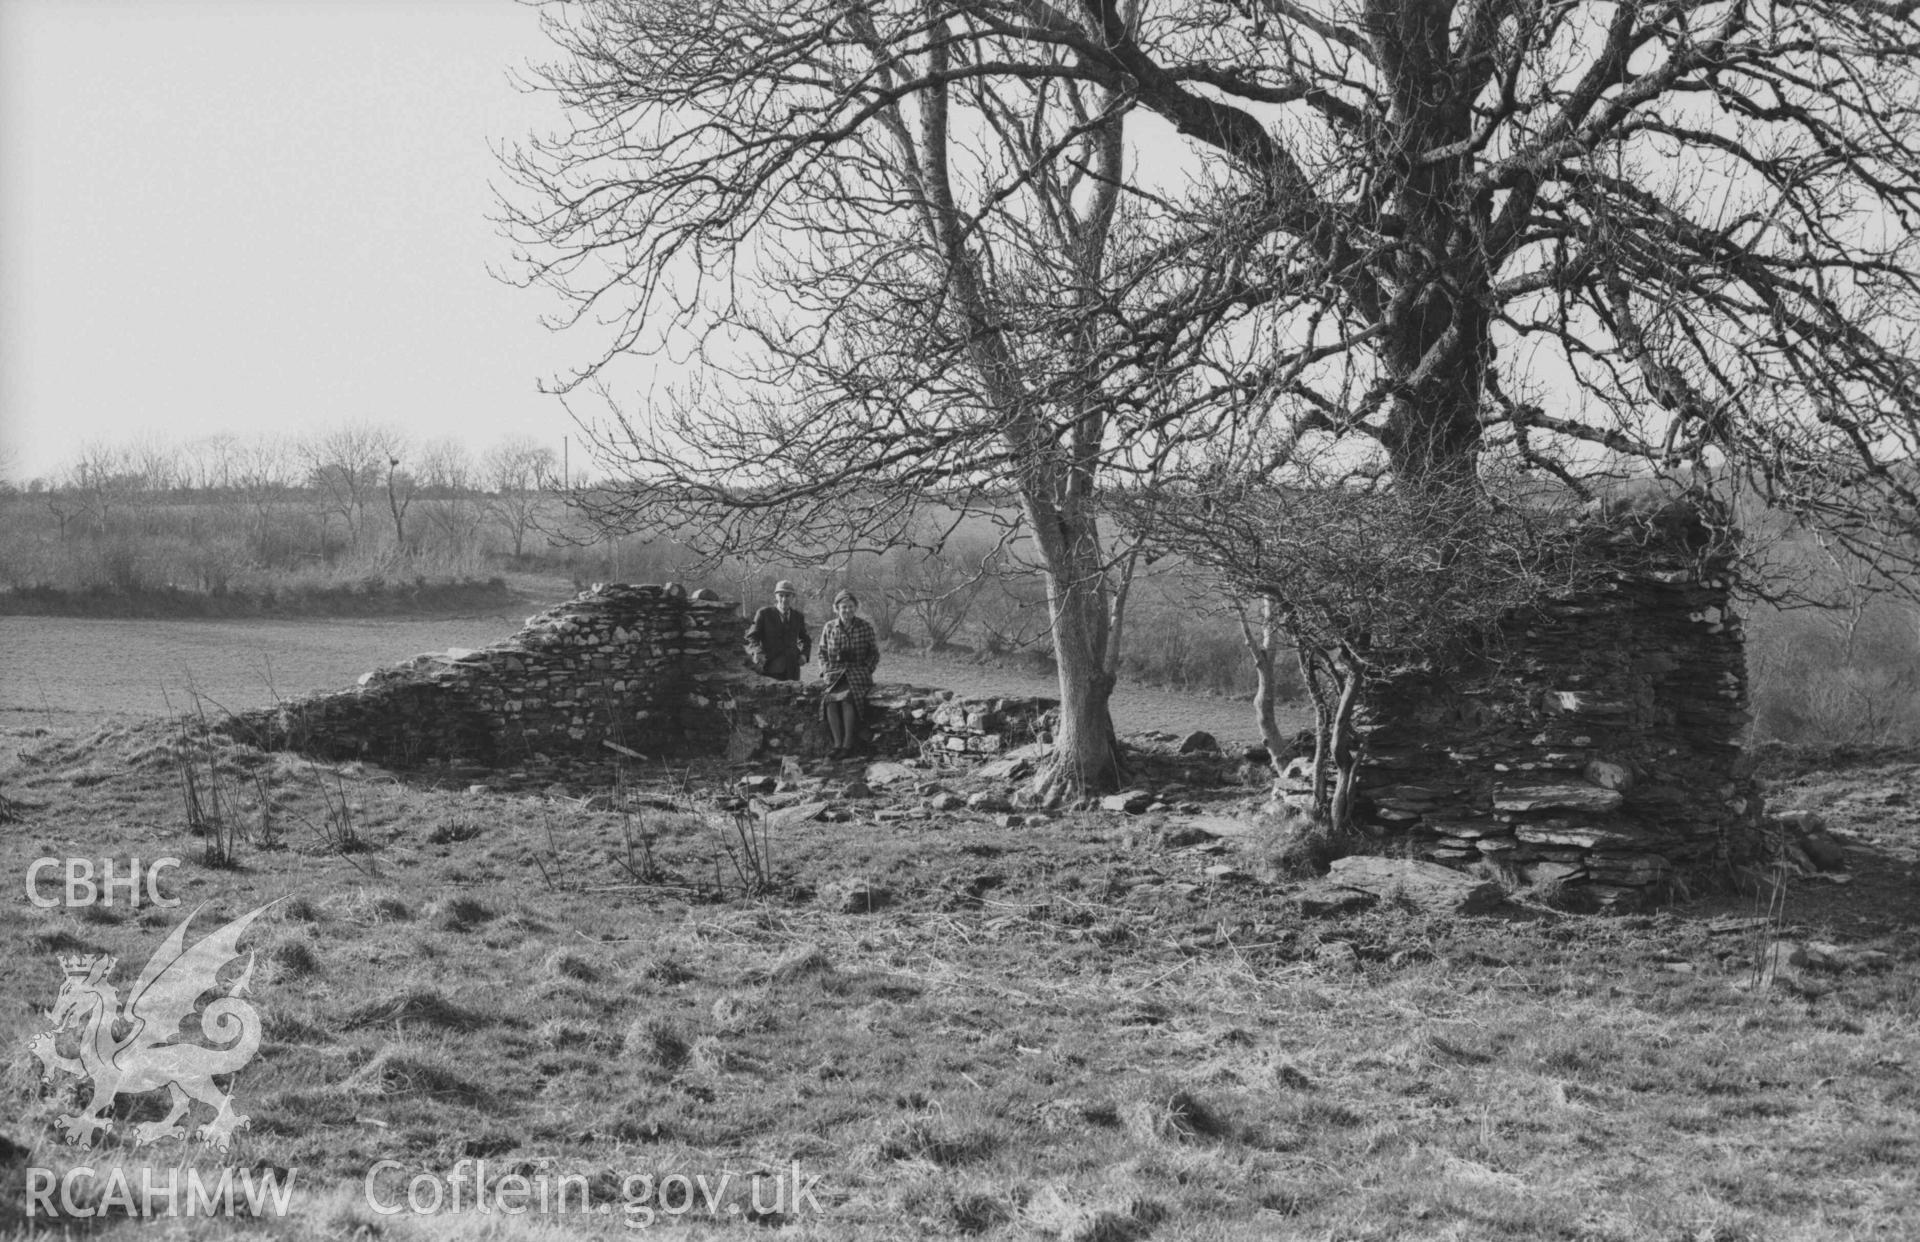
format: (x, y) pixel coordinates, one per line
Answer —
(1011, 610)
(401, 486)
(346, 466)
(1592, 239)
(102, 479)
(156, 464)
(1582, 237)
(516, 472)
(1263, 636)
(938, 586)
(902, 234)
(446, 466)
(448, 475)
(209, 462)
(1367, 582)
(264, 473)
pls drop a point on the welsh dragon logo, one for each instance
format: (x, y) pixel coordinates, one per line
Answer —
(145, 1054)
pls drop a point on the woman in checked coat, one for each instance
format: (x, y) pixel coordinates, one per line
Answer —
(849, 651)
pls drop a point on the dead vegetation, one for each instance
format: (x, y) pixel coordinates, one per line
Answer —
(1066, 1029)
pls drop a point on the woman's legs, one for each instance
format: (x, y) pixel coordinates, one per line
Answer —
(839, 725)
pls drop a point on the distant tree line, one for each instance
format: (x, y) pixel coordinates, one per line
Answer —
(229, 512)
(360, 504)
(361, 507)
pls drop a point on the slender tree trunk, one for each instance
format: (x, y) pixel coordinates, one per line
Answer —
(399, 512)
(1117, 623)
(1323, 717)
(1265, 698)
(1345, 753)
(1266, 692)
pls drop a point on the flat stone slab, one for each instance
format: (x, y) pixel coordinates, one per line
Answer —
(880, 775)
(1580, 836)
(1224, 826)
(1583, 703)
(1571, 796)
(1319, 900)
(790, 816)
(1413, 794)
(1468, 829)
(1431, 887)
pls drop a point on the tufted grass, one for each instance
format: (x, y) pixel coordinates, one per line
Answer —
(1049, 1034)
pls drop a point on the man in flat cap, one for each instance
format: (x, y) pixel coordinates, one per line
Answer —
(777, 641)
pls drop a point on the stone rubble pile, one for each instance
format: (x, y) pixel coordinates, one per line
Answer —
(769, 719)
(969, 728)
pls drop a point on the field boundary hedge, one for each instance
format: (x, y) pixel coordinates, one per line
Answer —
(364, 598)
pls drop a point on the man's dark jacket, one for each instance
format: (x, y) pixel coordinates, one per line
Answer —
(781, 640)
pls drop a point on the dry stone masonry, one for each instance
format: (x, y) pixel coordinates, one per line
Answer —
(617, 664)
(1600, 748)
(619, 669)
(970, 728)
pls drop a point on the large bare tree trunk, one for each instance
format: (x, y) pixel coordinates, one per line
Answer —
(1086, 754)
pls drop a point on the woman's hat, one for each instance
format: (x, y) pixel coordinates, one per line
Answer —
(849, 596)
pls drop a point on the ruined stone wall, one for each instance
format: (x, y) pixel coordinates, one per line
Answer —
(623, 664)
(1599, 745)
(769, 719)
(646, 669)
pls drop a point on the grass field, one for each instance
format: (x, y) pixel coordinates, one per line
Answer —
(962, 1027)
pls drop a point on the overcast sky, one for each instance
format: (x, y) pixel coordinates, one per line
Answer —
(245, 215)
